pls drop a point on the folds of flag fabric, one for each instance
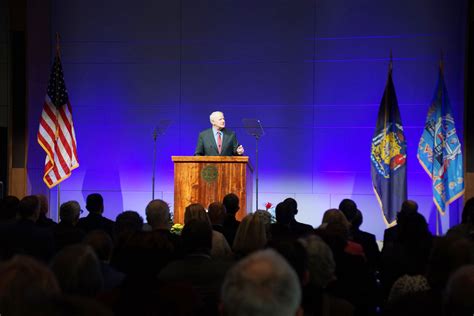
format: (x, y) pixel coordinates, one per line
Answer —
(388, 156)
(439, 149)
(56, 130)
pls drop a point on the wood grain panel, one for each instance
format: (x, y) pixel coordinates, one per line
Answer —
(207, 179)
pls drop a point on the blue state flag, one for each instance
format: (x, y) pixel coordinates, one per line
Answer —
(439, 150)
(388, 155)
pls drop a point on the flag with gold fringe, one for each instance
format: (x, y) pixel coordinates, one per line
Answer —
(439, 149)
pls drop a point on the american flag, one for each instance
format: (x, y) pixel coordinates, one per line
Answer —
(56, 130)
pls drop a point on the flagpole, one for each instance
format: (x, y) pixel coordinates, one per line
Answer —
(58, 52)
(437, 223)
(59, 203)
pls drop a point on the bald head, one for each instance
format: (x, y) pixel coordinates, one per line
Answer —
(261, 284)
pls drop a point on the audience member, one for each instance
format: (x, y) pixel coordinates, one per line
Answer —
(217, 213)
(390, 234)
(43, 220)
(355, 281)
(220, 247)
(251, 236)
(297, 228)
(9, 209)
(144, 253)
(198, 269)
(365, 239)
(261, 284)
(94, 220)
(230, 224)
(459, 296)
(77, 269)
(321, 268)
(24, 237)
(408, 253)
(466, 228)
(66, 232)
(103, 246)
(447, 255)
(24, 281)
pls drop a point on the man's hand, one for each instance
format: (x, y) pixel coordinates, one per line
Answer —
(240, 150)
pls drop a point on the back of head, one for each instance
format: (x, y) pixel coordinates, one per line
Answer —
(468, 212)
(459, 297)
(44, 205)
(197, 237)
(292, 205)
(349, 208)
(9, 208)
(413, 228)
(321, 264)
(295, 254)
(408, 207)
(335, 216)
(231, 203)
(77, 269)
(158, 214)
(29, 207)
(95, 203)
(128, 222)
(23, 279)
(101, 242)
(251, 235)
(261, 284)
(197, 212)
(283, 213)
(69, 212)
(216, 212)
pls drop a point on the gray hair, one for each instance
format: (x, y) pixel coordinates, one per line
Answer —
(213, 115)
(69, 211)
(321, 262)
(261, 284)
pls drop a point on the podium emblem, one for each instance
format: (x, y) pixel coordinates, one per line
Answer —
(209, 173)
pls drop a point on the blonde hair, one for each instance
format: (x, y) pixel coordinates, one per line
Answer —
(335, 216)
(251, 235)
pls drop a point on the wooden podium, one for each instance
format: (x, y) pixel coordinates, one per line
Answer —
(207, 179)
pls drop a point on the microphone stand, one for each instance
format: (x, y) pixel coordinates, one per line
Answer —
(155, 134)
(159, 130)
(256, 172)
(254, 128)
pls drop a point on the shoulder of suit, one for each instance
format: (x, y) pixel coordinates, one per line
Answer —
(209, 130)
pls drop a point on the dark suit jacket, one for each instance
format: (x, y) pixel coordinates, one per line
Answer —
(24, 237)
(207, 146)
(369, 243)
(96, 221)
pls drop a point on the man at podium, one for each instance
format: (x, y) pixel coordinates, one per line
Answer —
(217, 140)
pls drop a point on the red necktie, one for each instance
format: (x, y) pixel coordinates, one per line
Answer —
(219, 142)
